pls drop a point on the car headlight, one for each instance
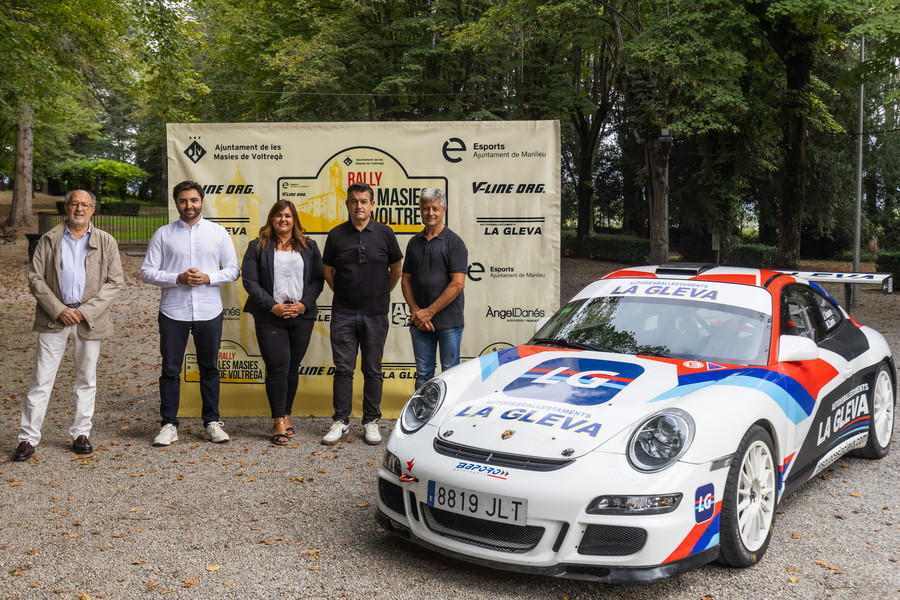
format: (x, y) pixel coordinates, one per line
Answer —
(660, 440)
(422, 406)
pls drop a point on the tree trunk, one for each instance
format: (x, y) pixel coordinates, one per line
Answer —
(584, 187)
(793, 194)
(795, 168)
(20, 213)
(657, 163)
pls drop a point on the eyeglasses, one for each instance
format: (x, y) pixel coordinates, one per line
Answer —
(82, 205)
(361, 253)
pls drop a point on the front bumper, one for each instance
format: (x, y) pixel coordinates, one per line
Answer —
(560, 538)
(609, 574)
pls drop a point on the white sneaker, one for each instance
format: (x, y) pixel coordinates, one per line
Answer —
(337, 431)
(167, 435)
(373, 436)
(215, 433)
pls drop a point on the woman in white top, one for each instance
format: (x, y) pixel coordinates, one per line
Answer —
(282, 273)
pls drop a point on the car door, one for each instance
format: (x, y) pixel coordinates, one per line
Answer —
(808, 312)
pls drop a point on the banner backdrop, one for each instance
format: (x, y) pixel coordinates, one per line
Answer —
(502, 181)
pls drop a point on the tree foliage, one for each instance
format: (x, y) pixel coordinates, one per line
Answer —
(758, 95)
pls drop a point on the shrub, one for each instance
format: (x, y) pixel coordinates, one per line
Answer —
(888, 262)
(101, 176)
(751, 255)
(125, 209)
(612, 248)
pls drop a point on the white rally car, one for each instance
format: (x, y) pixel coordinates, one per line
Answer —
(651, 426)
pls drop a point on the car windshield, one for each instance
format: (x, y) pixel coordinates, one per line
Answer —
(666, 327)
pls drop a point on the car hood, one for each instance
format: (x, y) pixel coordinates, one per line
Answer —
(551, 403)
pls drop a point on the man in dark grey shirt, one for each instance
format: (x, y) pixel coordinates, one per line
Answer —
(434, 275)
(361, 263)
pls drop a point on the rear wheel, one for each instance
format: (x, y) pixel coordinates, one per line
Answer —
(748, 503)
(881, 423)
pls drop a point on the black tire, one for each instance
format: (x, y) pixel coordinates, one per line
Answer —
(881, 423)
(748, 502)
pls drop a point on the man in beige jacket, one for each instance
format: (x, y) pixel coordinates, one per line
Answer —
(74, 276)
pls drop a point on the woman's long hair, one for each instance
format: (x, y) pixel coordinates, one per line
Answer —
(267, 232)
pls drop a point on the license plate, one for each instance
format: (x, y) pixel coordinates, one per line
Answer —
(481, 505)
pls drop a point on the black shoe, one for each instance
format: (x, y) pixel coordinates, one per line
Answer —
(81, 445)
(24, 451)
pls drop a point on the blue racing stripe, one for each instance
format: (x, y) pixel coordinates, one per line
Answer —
(493, 361)
(786, 392)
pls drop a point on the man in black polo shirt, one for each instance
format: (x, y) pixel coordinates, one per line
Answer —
(434, 275)
(362, 264)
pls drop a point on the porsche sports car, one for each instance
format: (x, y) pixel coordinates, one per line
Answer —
(650, 426)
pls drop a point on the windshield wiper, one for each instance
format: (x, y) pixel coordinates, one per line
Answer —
(565, 343)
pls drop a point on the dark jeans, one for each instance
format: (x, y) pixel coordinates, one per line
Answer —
(425, 345)
(349, 334)
(173, 337)
(282, 344)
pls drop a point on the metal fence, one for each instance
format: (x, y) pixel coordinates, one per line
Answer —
(127, 230)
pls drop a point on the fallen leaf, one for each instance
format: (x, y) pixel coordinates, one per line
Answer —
(140, 561)
(855, 495)
(794, 579)
(796, 536)
(213, 567)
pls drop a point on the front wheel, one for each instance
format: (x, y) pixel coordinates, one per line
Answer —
(748, 503)
(881, 421)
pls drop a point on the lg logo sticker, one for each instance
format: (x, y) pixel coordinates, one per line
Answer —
(705, 503)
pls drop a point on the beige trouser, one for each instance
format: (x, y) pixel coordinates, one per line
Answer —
(50, 350)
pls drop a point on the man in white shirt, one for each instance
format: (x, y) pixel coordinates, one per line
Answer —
(190, 260)
(74, 276)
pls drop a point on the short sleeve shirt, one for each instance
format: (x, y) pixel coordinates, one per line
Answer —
(431, 262)
(361, 262)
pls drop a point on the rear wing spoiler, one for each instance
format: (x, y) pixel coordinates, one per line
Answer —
(885, 280)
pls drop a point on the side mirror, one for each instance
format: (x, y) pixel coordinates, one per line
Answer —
(793, 348)
(540, 323)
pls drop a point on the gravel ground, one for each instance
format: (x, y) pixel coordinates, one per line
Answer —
(247, 519)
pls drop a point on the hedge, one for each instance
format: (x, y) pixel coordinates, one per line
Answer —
(752, 255)
(123, 208)
(611, 248)
(889, 262)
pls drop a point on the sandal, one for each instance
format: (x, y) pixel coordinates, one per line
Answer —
(279, 439)
(289, 429)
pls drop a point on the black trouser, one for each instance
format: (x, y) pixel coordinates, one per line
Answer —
(282, 344)
(352, 334)
(173, 337)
